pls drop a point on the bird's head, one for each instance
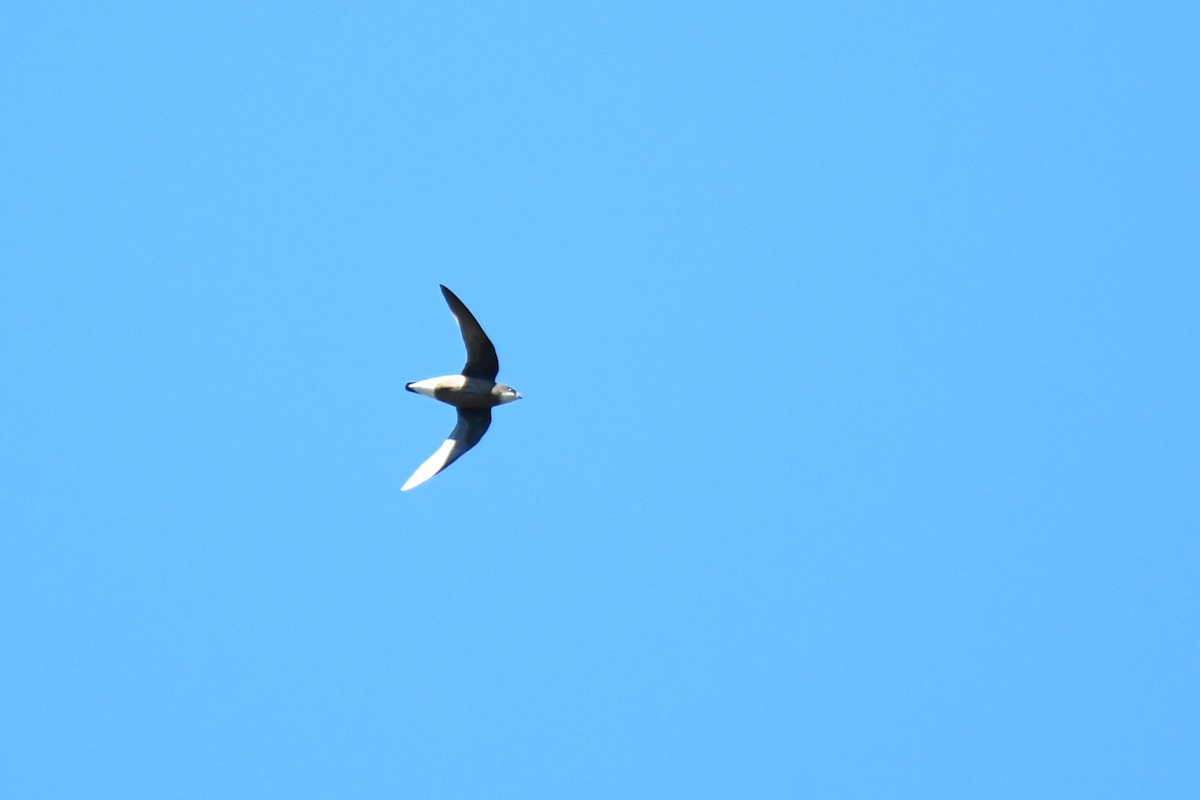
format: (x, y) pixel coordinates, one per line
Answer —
(505, 394)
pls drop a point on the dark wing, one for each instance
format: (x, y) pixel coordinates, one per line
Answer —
(481, 355)
(472, 425)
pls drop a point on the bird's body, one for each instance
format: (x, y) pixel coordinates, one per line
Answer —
(463, 392)
(474, 393)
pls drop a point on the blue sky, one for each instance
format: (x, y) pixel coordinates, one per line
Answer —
(859, 451)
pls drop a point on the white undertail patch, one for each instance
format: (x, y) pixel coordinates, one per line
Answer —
(425, 387)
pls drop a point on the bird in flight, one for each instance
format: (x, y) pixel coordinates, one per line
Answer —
(474, 393)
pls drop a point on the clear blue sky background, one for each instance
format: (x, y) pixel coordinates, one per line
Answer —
(860, 451)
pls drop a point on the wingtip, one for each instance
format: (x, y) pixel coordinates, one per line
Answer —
(415, 480)
(437, 462)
